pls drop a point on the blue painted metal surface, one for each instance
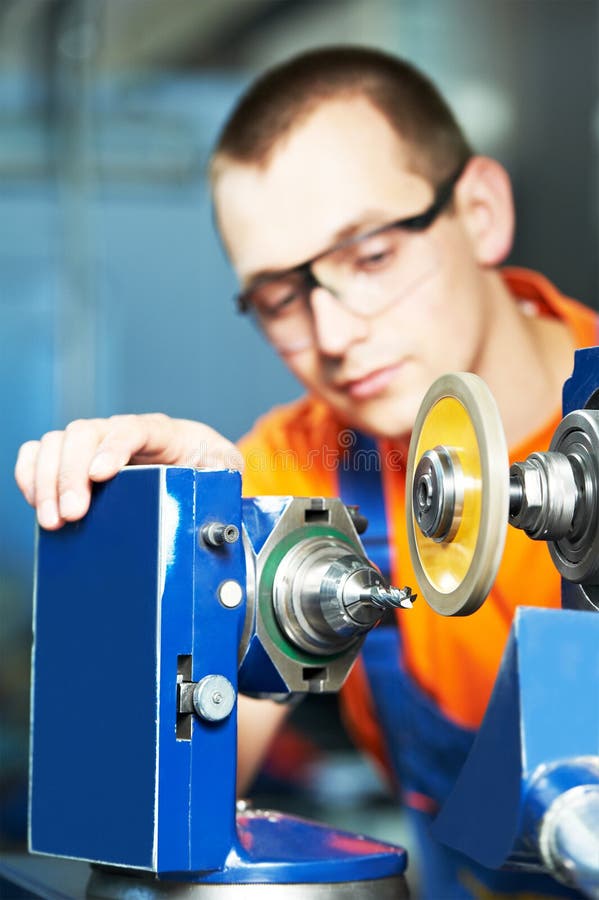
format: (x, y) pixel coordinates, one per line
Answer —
(126, 602)
(544, 709)
(216, 634)
(277, 848)
(260, 515)
(257, 668)
(95, 677)
(583, 383)
(120, 597)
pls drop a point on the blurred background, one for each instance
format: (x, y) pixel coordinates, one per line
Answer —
(114, 292)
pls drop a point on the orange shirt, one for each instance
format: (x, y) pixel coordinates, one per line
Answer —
(294, 449)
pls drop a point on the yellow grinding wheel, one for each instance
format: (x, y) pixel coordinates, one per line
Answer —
(457, 494)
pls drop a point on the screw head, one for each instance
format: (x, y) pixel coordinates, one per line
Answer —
(216, 534)
(213, 698)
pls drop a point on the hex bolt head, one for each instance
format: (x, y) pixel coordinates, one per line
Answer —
(530, 507)
(549, 495)
(213, 698)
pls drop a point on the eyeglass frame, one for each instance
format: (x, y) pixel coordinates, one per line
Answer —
(418, 223)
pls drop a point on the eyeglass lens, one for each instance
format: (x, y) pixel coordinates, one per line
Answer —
(366, 276)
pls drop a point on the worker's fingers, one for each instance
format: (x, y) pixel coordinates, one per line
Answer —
(46, 476)
(148, 438)
(205, 448)
(155, 438)
(25, 469)
(55, 473)
(79, 446)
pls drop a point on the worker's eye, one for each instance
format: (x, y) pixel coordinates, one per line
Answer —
(284, 305)
(375, 253)
(278, 298)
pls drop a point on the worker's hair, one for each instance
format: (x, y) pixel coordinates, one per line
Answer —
(286, 94)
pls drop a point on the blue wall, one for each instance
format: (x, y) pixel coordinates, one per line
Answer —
(115, 295)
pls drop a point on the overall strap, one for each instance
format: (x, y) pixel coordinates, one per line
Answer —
(360, 482)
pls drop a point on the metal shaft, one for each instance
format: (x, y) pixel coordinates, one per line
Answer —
(543, 495)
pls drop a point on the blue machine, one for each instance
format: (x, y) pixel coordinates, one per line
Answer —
(528, 794)
(173, 594)
(150, 614)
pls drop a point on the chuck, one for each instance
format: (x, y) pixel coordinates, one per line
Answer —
(325, 595)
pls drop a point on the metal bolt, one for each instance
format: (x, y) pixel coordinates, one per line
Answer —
(230, 593)
(213, 698)
(215, 534)
(548, 495)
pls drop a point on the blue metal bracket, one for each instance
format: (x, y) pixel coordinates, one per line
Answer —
(544, 709)
(128, 611)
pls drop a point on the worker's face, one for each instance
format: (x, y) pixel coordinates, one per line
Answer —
(345, 171)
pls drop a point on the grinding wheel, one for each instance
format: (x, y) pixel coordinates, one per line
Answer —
(457, 494)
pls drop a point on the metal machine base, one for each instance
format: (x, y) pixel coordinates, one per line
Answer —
(106, 886)
(52, 879)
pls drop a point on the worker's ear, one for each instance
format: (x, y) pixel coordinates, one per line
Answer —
(483, 198)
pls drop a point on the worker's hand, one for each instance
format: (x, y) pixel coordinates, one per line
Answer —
(55, 473)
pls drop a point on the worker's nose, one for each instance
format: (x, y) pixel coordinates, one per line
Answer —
(336, 328)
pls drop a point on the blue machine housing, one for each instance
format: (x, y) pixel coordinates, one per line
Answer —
(123, 602)
(260, 516)
(540, 734)
(543, 712)
(126, 608)
(581, 390)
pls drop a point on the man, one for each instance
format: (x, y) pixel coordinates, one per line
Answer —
(366, 237)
